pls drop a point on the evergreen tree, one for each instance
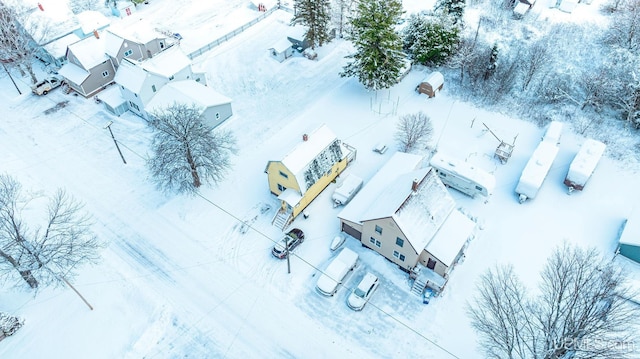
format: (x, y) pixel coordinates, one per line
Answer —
(378, 59)
(316, 15)
(431, 40)
(453, 8)
(493, 62)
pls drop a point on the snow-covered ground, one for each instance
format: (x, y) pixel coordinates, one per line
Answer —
(194, 277)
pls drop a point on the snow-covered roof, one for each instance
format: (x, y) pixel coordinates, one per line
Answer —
(363, 204)
(631, 233)
(136, 30)
(186, 92)
(282, 45)
(112, 96)
(130, 76)
(536, 169)
(90, 52)
(92, 20)
(113, 43)
(306, 151)
(290, 196)
(553, 133)
(73, 73)
(425, 211)
(58, 48)
(296, 32)
(392, 196)
(465, 170)
(167, 63)
(585, 161)
(435, 79)
(451, 237)
(50, 24)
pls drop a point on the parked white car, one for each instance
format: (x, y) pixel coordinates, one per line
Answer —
(336, 272)
(43, 87)
(360, 296)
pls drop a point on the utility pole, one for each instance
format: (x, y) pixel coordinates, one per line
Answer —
(286, 244)
(108, 126)
(11, 77)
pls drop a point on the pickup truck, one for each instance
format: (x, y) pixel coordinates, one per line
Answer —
(43, 87)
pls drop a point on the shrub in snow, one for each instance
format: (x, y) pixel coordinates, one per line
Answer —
(9, 325)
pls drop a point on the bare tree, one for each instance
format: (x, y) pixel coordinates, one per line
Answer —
(536, 59)
(625, 27)
(414, 130)
(186, 152)
(582, 310)
(48, 254)
(17, 42)
(78, 6)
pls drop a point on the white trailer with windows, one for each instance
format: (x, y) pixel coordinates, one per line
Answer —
(463, 176)
(346, 190)
(536, 171)
(584, 164)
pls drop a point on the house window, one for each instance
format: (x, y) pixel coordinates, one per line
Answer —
(402, 257)
(105, 73)
(128, 53)
(399, 241)
(153, 88)
(131, 104)
(378, 229)
(396, 254)
(281, 188)
(284, 175)
(217, 115)
(375, 242)
(161, 45)
(171, 78)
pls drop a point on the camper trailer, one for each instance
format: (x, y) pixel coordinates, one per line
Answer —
(584, 164)
(553, 134)
(463, 176)
(346, 190)
(536, 170)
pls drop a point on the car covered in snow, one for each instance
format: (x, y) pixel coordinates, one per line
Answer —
(292, 239)
(361, 295)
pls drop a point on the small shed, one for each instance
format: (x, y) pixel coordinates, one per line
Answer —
(281, 50)
(432, 84)
(122, 8)
(630, 237)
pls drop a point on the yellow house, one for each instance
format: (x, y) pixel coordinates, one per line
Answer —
(305, 171)
(406, 214)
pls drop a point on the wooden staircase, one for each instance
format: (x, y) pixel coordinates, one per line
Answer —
(419, 284)
(281, 219)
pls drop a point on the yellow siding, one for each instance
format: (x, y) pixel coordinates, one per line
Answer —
(274, 177)
(387, 238)
(317, 188)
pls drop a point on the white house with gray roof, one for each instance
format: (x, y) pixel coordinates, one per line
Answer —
(407, 215)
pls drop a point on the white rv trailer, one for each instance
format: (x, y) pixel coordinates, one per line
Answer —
(463, 176)
(346, 190)
(553, 134)
(584, 164)
(536, 170)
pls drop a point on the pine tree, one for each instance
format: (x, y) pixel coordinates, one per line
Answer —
(431, 40)
(378, 59)
(493, 62)
(453, 8)
(316, 15)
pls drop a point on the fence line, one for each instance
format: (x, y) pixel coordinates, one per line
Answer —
(233, 33)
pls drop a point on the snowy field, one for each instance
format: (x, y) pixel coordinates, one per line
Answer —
(194, 276)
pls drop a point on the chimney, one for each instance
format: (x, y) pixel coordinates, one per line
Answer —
(414, 185)
(305, 137)
(95, 33)
(40, 7)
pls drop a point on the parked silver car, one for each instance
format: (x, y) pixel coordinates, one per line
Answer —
(292, 239)
(360, 296)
